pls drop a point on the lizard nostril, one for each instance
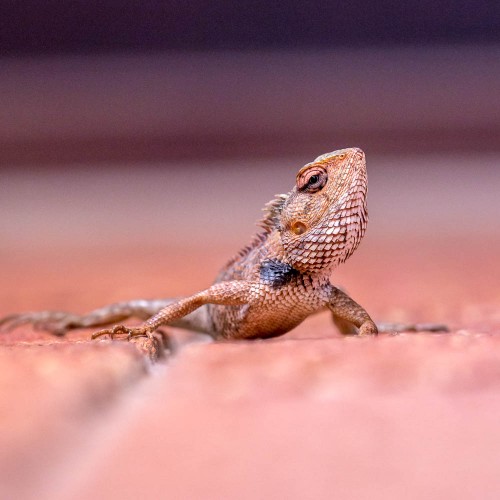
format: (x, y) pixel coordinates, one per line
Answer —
(298, 227)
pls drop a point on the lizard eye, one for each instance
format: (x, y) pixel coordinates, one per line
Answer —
(312, 180)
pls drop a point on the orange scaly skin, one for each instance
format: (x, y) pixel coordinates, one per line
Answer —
(276, 281)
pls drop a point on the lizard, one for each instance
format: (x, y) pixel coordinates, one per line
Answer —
(275, 282)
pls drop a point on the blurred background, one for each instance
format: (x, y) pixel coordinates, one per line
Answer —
(159, 80)
(165, 126)
(139, 140)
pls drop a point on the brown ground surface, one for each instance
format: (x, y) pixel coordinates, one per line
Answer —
(308, 415)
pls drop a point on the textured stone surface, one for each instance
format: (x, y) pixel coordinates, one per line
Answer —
(51, 396)
(396, 417)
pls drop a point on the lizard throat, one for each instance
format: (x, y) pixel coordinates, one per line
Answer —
(276, 273)
(331, 241)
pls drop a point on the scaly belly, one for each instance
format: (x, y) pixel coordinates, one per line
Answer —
(258, 321)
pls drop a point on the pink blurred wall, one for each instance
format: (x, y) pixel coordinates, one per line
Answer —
(166, 105)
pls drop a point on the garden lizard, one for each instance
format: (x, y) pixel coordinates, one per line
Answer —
(273, 283)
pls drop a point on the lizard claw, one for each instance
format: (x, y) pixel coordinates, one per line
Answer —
(129, 332)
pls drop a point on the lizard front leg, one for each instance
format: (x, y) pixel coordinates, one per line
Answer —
(229, 293)
(348, 314)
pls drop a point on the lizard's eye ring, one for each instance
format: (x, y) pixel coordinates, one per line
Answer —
(312, 180)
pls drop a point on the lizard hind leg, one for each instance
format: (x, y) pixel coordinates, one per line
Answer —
(60, 322)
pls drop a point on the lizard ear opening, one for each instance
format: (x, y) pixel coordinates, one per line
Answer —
(312, 179)
(298, 227)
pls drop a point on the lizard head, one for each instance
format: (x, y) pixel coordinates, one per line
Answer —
(324, 217)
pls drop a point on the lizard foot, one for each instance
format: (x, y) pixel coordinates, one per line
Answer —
(128, 332)
(368, 328)
(156, 348)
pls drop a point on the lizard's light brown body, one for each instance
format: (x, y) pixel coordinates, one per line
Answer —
(276, 281)
(305, 235)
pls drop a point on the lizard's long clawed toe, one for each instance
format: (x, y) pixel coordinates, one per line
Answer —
(101, 333)
(129, 333)
(391, 328)
(119, 330)
(432, 327)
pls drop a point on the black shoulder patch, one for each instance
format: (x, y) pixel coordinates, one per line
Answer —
(276, 273)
